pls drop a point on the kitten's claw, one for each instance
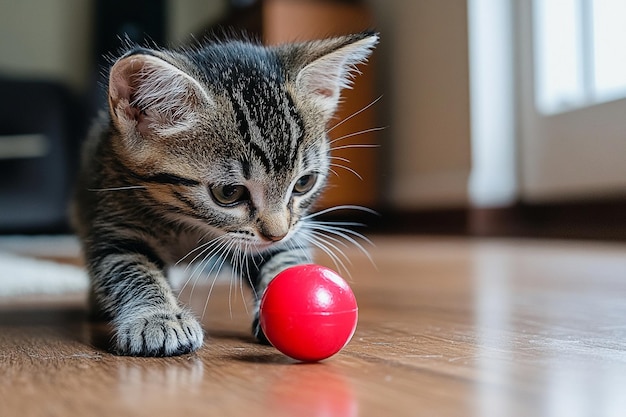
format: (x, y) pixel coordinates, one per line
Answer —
(159, 334)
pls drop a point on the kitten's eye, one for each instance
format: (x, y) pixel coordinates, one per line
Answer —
(229, 195)
(304, 184)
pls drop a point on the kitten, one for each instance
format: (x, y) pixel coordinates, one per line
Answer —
(219, 149)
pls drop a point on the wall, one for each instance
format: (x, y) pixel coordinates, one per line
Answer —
(423, 59)
(52, 39)
(191, 16)
(46, 39)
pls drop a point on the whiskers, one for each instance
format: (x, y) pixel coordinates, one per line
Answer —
(125, 188)
(333, 238)
(353, 134)
(342, 162)
(356, 113)
(207, 261)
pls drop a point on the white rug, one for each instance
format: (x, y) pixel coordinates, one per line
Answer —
(22, 274)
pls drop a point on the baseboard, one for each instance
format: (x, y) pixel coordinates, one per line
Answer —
(391, 221)
(597, 220)
(450, 221)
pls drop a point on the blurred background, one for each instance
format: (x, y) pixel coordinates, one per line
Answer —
(500, 117)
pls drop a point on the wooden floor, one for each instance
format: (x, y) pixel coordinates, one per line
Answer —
(447, 327)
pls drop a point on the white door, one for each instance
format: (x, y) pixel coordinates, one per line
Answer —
(572, 108)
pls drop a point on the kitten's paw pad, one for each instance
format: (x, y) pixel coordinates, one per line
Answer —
(257, 331)
(159, 334)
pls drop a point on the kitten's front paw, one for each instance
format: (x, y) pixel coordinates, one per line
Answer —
(257, 331)
(159, 334)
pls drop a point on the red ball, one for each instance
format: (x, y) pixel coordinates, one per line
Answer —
(308, 312)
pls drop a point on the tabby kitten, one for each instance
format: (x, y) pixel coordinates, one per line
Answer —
(219, 149)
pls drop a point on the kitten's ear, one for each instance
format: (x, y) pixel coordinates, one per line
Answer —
(149, 96)
(331, 67)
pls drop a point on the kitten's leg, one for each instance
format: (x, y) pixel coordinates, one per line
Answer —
(268, 269)
(131, 288)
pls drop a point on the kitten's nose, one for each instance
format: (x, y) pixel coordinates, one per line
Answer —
(274, 238)
(274, 226)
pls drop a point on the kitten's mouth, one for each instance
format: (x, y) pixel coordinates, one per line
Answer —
(264, 245)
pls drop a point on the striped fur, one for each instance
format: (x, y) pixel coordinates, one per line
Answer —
(216, 151)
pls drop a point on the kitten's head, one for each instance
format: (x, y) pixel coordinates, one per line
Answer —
(232, 136)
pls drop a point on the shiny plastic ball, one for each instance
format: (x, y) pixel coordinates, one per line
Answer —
(308, 312)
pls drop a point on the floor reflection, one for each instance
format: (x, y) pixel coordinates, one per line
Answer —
(138, 381)
(315, 390)
(492, 297)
